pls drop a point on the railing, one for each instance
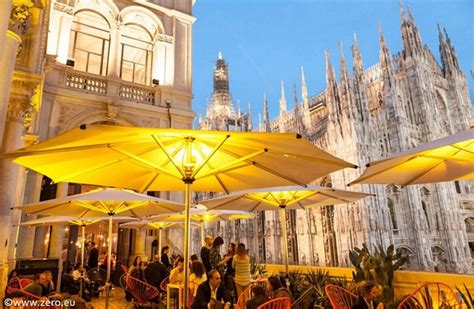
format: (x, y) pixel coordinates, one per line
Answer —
(87, 83)
(135, 93)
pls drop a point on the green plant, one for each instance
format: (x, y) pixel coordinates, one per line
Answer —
(467, 297)
(378, 267)
(256, 268)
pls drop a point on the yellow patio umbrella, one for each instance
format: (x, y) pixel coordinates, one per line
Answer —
(446, 159)
(169, 159)
(100, 202)
(293, 197)
(202, 215)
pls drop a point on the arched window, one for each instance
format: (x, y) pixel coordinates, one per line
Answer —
(89, 43)
(137, 54)
(392, 214)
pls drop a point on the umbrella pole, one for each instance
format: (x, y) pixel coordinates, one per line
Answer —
(159, 240)
(202, 232)
(83, 250)
(109, 262)
(187, 200)
(285, 238)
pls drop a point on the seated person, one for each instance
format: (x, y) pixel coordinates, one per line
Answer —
(275, 287)
(155, 272)
(177, 273)
(197, 276)
(36, 287)
(48, 287)
(71, 285)
(368, 294)
(259, 297)
(211, 294)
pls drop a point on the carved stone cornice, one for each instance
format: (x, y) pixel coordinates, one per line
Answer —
(20, 15)
(161, 37)
(62, 7)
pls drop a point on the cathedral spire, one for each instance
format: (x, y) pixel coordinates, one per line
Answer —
(330, 79)
(282, 100)
(358, 65)
(295, 97)
(410, 35)
(266, 116)
(385, 58)
(449, 58)
(345, 84)
(304, 90)
(249, 118)
(260, 129)
(360, 97)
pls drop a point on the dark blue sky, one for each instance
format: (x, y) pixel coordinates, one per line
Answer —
(265, 41)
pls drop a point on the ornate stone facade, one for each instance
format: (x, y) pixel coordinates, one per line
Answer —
(405, 100)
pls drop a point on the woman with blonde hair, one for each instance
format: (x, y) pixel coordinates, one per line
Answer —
(241, 265)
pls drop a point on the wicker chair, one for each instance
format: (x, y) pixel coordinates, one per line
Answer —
(244, 297)
(339, 297)
(142, 292)
(431, 295)
(24, 282)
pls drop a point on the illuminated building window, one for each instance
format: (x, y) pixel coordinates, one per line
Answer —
(137, 54)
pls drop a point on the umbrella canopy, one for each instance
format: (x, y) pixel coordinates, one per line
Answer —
(283, 198)
(293, 197)
(446, 159)
(62, 220)
(103, 201)
(169, 159)
(158, 159)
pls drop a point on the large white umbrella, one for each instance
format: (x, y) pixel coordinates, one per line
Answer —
(100, 202)
(293, 197)
(168, 159)
(202, 215)
(446, 159)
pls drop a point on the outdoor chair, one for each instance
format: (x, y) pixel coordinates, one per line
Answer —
(124, 268)
(431, 295)
(142, 292)
(339, 297)
(97, 277)
(277, 303)
(244, 297)
(164, 284)
(24, 282)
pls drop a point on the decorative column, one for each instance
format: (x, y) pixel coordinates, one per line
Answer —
(57, 236)
(139, 247)
(115, 52)
(18, 106)
(5, 9)
(64, 37)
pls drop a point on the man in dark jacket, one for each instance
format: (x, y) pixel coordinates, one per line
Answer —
(93, 256)
(368, 294)
(211, 294)
(155, 272)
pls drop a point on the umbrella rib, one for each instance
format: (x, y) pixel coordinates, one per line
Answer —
(342, 163)
(158, 141)
(463, 148)
(256, 205)
(145, 188)
(362, 177)
(85, 171)
(224, 203)
(299, 204)
(447, 158)
(331, 196)
(423, 173)
(214, 151)
(221, 183)
(231, 165)
(145, 162)
(47, 208)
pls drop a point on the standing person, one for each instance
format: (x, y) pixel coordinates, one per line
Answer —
(93, 261)
(205, 253)
(211, 292)
(155, 272)
(165, 258)
(215, 256)
(229, 269)
(241, 264)
(368, 294)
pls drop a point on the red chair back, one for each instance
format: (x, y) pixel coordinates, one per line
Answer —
(339, 297)
(24, 282)
(244, 297)
(142, 292)
(124, 268)
(31, 298)
(164, 283)
(277, 303)
(429, 294)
